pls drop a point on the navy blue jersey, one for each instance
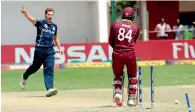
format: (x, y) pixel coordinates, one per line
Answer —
(45, 33)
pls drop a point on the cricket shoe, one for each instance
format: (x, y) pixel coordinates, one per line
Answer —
(118, 99)
(23, 83)
(51, 92)
(131, 102)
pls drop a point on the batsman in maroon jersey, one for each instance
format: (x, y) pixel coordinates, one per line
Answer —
(123, 37)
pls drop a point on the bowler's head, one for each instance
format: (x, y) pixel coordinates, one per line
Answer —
(49, 12)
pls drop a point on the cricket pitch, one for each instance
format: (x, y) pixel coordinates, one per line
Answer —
(96, 100)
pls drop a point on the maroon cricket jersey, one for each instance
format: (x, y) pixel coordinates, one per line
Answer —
(123, 36)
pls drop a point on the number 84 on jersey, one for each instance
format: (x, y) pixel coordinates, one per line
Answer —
(122, 34)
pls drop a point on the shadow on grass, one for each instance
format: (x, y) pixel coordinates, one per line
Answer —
(38, 96)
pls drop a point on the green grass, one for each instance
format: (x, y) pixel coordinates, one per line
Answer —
(86, 78)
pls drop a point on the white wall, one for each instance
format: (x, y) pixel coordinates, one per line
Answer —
(95, 19)
(76, 21)
(103, 20)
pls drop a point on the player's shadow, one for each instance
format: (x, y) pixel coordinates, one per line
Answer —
(32, 97)
(111, 106)
(106, 106)
(124, 106)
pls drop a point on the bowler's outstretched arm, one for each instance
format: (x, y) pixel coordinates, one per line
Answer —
(30, 18)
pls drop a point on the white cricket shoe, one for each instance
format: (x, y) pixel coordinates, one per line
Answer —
(23, 83)
(51, 92)
(118, 99)
(131, 102)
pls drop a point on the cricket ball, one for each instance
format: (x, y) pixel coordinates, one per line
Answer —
(176, 102)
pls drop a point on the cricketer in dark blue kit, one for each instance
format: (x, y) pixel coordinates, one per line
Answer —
(44, 51)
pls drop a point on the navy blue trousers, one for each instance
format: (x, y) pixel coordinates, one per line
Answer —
(45, 56)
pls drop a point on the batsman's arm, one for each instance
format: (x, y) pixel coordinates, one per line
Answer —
(137, 34)
(111, 36)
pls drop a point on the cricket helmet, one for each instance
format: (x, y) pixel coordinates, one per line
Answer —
(128, 13)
